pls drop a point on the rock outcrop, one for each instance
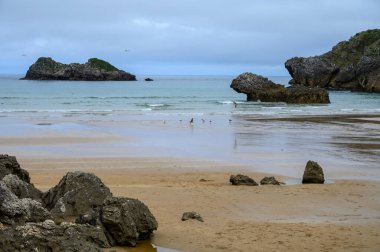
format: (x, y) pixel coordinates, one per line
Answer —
(350, 65)
(48, 236)
(313, 174)
(28, 217)
(240, 179)
(9, 165)
(76, 193)
(93, 70)
(259, 88)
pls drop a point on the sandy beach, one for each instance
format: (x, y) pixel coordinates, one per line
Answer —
(341, 215)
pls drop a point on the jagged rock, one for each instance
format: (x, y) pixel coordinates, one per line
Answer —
(313, 174)
(270, 181)
(93, 70)
(9, 165)
(148, 79)
(76, 193)
(48, 237)
(15, 211)
(191, 216)
(350, 65)
(242, 180)
(126, 220)
(22, 189)
(259, 88)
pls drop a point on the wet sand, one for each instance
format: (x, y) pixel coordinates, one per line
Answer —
(162, 165)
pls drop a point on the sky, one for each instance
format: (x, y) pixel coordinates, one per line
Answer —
(178, 37)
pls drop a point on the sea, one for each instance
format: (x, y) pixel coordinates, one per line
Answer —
(157, 115)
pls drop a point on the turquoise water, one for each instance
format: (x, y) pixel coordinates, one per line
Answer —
(166, 96)
(152, 119)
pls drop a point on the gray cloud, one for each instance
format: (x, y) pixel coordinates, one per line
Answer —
(178, 37)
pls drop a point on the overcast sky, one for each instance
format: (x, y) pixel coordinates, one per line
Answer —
(196, 37)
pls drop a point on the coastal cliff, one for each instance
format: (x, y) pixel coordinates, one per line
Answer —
(93, 70)
(351, 65)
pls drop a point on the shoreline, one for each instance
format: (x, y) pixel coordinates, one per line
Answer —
(342, 215)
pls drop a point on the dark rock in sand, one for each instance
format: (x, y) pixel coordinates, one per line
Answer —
(15, 211)
(148, 79)
(22, 189)
(76, 193)
(9, 165)
(350, 65)
(270, 181)
(126, 221)
(259, 88)
(191, 216)
(242, 180)
(93, 70)
(48, 237)
(313, 174)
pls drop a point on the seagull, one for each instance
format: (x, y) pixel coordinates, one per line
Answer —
(235, 104)
(230, 120)
(23, 55)
(192, 121)
(203, 120)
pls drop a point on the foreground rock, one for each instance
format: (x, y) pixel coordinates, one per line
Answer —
(101, 220)
(350, 65)
(47, 237)
(93, 70)
(240, 179)
(259, 88)
(75, 194)
(270, 181)
(191, 216)
(9, 165)
(313, 174)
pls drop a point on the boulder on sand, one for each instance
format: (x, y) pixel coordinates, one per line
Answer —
(270, 181)
(191, 216)
(9, 165)
(240, 179)
(313, 174)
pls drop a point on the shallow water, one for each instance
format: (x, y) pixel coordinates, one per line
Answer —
(152, 119)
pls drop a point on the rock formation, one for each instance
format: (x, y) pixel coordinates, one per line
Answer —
(313, 174)
(259, 88)
(270, 181)
(93, 70)
(34, 221)
(148, 79)
(350, 65)
(240, 179)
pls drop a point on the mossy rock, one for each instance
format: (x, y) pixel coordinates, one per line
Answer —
(101, 65)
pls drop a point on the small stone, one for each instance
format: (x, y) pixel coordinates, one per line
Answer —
(240, 179)
(191, 216)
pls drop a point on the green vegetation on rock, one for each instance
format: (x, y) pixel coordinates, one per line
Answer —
(101, 65)
(349, 52)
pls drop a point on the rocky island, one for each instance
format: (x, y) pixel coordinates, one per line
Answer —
(259, 88)
(351, 65)
(93, 70)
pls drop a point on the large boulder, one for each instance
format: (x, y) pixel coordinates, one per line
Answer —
(48, 237)
(76, 193)
(21, 188)
(240, 179)
(127, 220)
(313, 174)
(259, 88)
(9, 165)
(350, 65)
(15, 211)
(93, 70)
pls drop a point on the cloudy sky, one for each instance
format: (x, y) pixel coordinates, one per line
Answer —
(190, 37)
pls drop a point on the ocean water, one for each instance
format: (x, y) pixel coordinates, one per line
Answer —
(152, 120)
(186, 96)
